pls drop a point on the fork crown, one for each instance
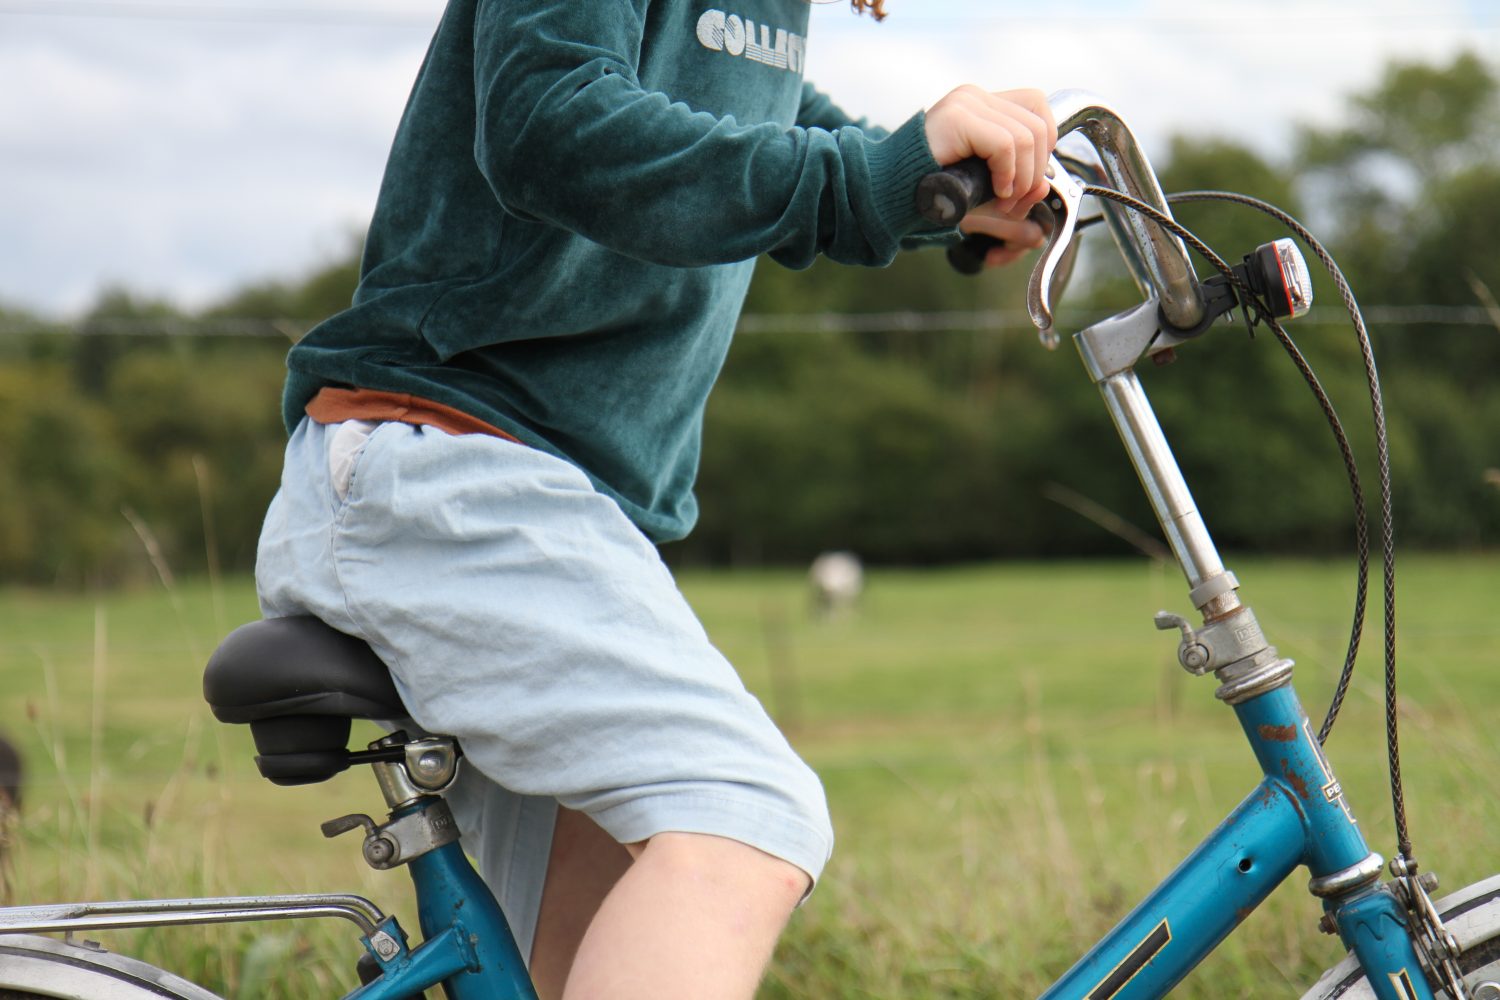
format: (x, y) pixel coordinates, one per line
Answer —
(1374, 926)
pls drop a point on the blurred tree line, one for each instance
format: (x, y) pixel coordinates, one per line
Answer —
(907, 414)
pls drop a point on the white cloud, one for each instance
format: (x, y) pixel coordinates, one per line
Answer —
(1248, 72)
(191, 158)
(187, 160)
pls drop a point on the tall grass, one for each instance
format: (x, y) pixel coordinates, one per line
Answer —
(1011, 755)
(160, 804)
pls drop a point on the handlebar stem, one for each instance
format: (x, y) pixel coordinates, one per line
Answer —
(1163, 255)
(1109, 350)
(1165, 487)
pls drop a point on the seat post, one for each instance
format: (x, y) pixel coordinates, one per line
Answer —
(411, 774)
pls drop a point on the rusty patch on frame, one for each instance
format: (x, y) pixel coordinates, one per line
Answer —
(1297, 781)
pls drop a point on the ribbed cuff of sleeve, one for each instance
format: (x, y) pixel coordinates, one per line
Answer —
(896, 163)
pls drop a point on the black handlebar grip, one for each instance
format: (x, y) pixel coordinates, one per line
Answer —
(967, 255)
(949, 194)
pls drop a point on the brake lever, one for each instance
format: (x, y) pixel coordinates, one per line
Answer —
(1051, 273)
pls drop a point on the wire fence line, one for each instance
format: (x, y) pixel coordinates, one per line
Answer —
(1462, 318)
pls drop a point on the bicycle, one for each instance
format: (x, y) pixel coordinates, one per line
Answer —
(297, 683)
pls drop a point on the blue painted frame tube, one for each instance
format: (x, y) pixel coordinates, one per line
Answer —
(1373, 925)
(1282, 737)
(451, 893)
(406, 973)
(1371, 922)
(468, 945)
(1196, 907)
(1297, 815)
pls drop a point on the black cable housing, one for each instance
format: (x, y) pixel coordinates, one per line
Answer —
(1259, 312)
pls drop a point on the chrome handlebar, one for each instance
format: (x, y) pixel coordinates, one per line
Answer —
(1161, 256)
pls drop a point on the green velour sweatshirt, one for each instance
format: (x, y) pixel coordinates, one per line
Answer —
(573, 203)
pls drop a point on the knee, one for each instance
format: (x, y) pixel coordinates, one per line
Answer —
(707, 861)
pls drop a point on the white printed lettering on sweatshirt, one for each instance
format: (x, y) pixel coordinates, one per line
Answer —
(740, 36)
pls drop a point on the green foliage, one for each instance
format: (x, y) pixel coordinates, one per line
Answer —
(207, 425)
(121, 438)
(905, 413)
(871, 456)
(58, 492)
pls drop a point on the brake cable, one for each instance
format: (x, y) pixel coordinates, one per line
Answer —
(1249, 301)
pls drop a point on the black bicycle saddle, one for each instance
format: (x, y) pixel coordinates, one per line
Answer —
(298, 682)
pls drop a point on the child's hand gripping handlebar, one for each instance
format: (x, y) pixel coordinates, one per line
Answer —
(1155, 255)
(950, 194)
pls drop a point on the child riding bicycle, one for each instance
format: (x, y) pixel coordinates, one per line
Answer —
(488, 444)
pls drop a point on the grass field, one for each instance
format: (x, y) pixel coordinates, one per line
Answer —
(1011, 754)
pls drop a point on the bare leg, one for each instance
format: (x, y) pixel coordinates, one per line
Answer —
(584, 865)
(694, 918)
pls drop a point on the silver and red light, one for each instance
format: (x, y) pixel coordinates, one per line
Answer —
(1278, 272)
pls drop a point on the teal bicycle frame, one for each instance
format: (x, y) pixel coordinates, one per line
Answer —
(468, 946)
(1297, 815)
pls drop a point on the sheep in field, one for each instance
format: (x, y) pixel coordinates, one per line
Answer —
(837, 579)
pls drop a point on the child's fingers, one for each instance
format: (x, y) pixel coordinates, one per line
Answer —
(1012, 131)
(1023, 234)
(1036, 102)
(1003, 256)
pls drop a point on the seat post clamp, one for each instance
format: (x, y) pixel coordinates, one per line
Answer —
(430, 826)
(425, 766)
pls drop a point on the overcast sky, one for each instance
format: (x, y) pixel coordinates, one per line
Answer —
(184, 148)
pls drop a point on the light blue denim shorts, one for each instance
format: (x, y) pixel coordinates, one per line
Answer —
(521, 611)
